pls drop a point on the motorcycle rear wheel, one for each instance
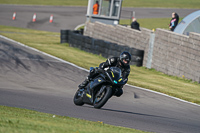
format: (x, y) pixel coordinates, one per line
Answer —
(77, 98)
(101, 99)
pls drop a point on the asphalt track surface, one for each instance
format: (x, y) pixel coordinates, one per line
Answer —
(33, 80)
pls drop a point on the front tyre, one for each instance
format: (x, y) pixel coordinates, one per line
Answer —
(101, 98)
(78, 97)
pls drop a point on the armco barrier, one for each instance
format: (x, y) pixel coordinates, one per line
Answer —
(101, 47)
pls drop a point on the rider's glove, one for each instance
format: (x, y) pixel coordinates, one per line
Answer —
(125, 80)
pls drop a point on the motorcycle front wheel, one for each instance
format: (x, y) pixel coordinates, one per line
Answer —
(101, 98)
(78, 98)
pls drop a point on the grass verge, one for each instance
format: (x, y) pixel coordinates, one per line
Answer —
(150, 23)
(49, 42)
(162, 3)
(15, 120)
(126, 3)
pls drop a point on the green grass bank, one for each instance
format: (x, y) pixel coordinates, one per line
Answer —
(150, 23)
(15, 120)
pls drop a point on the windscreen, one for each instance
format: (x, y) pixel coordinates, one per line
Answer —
(116, 72)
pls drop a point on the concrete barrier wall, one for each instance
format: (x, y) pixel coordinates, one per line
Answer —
(173, 54)
(177, 55)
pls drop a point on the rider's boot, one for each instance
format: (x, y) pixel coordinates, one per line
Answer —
(84, 83)
(89, 78)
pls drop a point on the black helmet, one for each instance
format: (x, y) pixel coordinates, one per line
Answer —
(125, 56)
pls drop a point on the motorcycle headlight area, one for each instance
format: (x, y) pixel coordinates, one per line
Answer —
(115, 81)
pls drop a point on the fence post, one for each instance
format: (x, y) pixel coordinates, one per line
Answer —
(150, 51)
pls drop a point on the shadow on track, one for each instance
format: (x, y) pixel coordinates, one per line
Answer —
(132, 113)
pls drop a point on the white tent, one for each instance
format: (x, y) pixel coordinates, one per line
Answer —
(190, 23)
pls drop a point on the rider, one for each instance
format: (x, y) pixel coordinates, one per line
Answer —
(122, 62)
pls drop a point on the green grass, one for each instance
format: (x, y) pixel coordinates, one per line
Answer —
(162, 3)
(150, 23)
(126, 3)
(47, 2)
(15, 120)
(49, 42)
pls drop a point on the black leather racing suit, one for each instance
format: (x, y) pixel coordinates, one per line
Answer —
(113, 61)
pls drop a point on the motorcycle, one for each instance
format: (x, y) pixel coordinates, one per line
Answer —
(100, 89)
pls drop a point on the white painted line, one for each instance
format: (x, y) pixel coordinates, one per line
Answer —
(44, 53)
(79, 26)
(88, 71)
(163, 95)
(41, 60)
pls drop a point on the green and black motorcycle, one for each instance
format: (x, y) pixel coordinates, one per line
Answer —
(100, 89)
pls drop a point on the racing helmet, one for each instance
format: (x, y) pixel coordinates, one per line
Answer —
(125, 56)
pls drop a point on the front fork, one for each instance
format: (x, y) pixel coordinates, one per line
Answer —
(98, 96)
(81, 92)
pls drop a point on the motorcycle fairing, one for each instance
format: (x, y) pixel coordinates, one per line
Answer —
(98, 81)
(89, 94)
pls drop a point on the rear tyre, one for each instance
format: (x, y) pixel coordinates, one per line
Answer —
(101, 99)
(77, 98)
